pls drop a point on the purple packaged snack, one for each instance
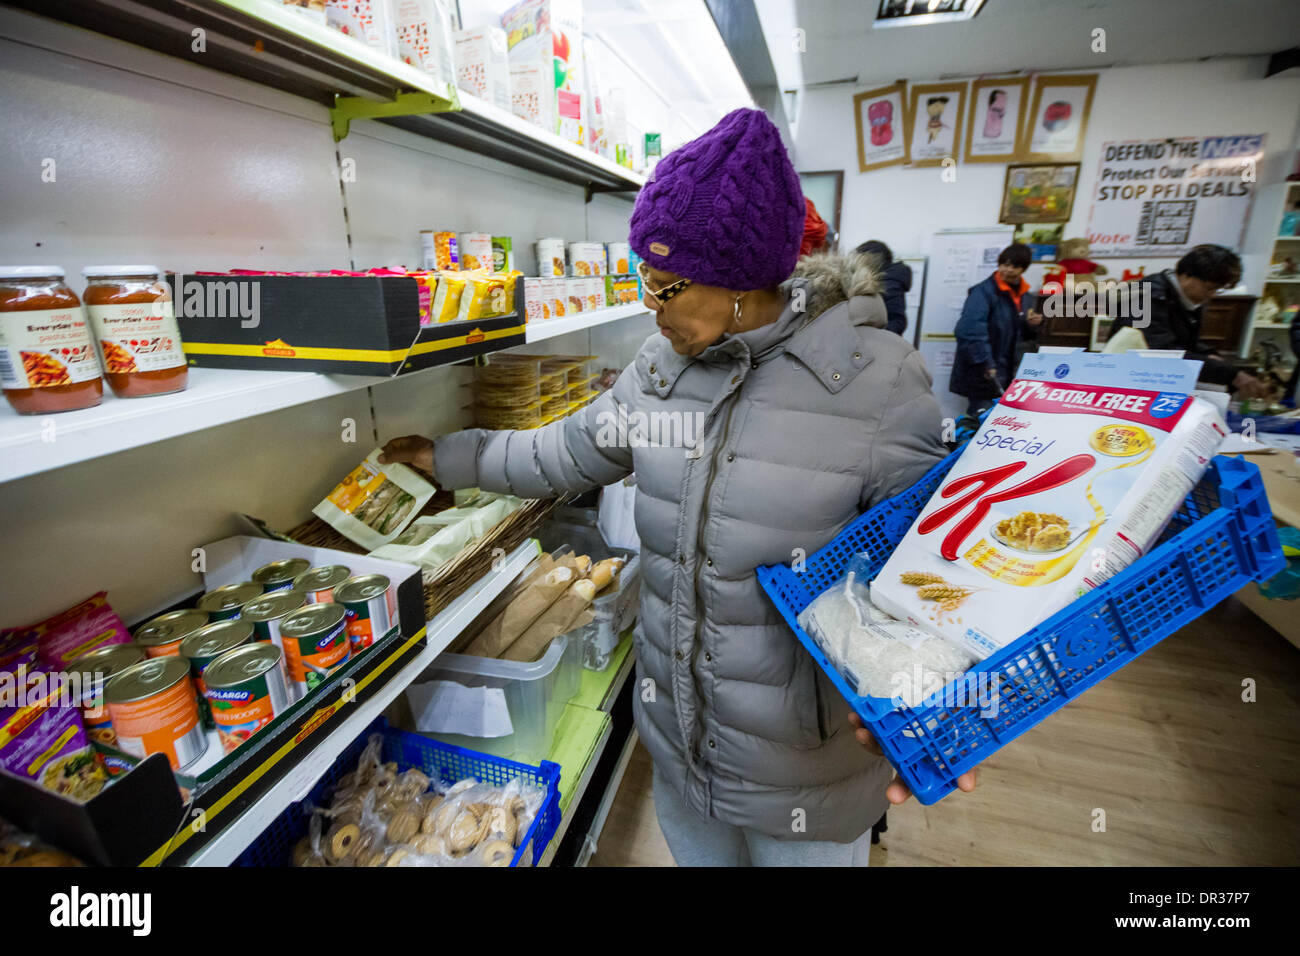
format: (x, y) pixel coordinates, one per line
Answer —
(42, 736)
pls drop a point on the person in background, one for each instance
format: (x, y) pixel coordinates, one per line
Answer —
(1178, 298)
(998, 312)
(897, 279)
(810, 413)
(814, 230)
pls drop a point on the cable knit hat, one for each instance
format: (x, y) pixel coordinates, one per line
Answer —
(726, 209)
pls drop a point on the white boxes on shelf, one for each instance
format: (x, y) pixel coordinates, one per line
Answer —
(482, 67)
(365, 20)
(423, 32)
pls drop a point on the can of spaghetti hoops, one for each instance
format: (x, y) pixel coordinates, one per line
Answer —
(371, 608)
(95, 669)
(153, 710)
(319, 583)
(228, 600)
(268, 612)
(207, 644)
(162, 636)
(316, 644)
(245, 688)
(279, 575)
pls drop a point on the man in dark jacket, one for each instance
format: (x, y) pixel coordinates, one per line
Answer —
(897, 280)
(998, 311)
(1177, 302)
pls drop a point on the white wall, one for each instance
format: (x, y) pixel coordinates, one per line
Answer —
(159, 160)
(904, 207)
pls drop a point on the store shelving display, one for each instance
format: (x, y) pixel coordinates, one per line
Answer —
(275, 46)
(550, 328)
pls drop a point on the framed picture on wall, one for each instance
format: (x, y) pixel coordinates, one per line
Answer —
(881, 117)
(1058, 119)
(997, 119)
(1039, 192)
(936, 113)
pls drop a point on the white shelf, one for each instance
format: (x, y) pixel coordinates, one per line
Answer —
(225, 847)
(1282, 282)
(550, 328)
(30, 444)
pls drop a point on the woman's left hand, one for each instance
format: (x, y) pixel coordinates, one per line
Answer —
(898, 792)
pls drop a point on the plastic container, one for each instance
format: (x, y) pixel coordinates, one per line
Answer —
(535, 695)
(527, 416)
(494, 395)
(509, 370)
(616, 611)
(439, 762)
(1221, 537)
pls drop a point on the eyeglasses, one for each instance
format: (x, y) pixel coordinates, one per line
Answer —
(662, 296)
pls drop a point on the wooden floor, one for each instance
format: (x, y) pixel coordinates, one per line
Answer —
(1185, 771)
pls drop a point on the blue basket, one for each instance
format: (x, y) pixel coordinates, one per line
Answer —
(1222, 536)
(439, 761)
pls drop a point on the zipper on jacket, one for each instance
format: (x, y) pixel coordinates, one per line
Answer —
(704, 517)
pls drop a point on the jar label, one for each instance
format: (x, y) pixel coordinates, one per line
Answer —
(46, 347)
(139, 337)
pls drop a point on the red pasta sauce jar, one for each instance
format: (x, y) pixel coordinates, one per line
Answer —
(131, 312)
(48, 359)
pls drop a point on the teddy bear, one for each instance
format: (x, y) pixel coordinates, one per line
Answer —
(1072, 258)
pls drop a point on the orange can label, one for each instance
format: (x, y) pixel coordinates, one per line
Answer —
(166, 722)
(164, 650)
(310, 659)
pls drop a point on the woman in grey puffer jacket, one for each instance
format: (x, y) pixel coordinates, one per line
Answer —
(779, 410)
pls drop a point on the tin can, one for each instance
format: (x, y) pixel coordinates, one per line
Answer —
(279, 575)
(318, 584)
(268, 612)
(95, 668)
(246, 688)
(227, 601)
(550, 257)
(371, 608)
(207, 644)
(316, 644)
(153, 710)
(162, 636)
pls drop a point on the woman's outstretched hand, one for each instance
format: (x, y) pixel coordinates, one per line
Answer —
(898, 792)
(409, 450)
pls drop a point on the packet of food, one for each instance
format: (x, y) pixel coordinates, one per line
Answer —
(42, 738)
(484, 296)
(80, 629)
(375, 502)
(430, 541)
(559, 618)
(519, 614)
(1072, 477)
(446, 299)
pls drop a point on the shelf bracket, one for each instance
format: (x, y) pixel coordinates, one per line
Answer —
(349, 108)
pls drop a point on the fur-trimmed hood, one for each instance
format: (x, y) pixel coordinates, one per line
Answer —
(832, 278)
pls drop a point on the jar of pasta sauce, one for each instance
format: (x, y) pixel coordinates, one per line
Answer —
(48, 360)
(131, 312)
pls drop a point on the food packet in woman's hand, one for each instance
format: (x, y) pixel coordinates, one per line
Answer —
(375, 502)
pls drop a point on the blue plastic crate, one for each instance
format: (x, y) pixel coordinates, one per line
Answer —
(1222, 537)
(440, 762)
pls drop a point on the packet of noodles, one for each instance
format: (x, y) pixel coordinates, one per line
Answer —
(375, 502)
(484, 296)
(446, 299)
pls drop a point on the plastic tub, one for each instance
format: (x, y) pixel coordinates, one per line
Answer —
(535, 695)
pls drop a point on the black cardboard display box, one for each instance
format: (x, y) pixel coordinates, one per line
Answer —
(354, 325)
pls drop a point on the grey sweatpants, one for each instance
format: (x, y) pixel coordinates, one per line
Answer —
(702, 841)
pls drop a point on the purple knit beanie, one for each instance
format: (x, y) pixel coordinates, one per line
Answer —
(726, 209)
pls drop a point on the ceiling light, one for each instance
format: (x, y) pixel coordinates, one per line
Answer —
(915, 13)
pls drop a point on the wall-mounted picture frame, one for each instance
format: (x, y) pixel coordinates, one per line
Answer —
(936, 112)
(881, 118)
(1039, 192)
(1058, 118)
(997, 119)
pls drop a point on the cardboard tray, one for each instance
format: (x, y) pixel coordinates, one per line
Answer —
(354, 325)
(149, 815)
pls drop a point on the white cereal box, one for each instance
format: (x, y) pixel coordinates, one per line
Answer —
(1071, 478)
(423, 33)
(482, 67)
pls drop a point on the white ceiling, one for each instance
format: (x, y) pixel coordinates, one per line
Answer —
(1012, 35)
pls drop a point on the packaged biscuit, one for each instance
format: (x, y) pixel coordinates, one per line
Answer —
(375, 502)
(474, 250)
(1072, 477)
(446, 299)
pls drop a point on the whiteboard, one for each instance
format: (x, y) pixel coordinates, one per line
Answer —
(959, 258)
